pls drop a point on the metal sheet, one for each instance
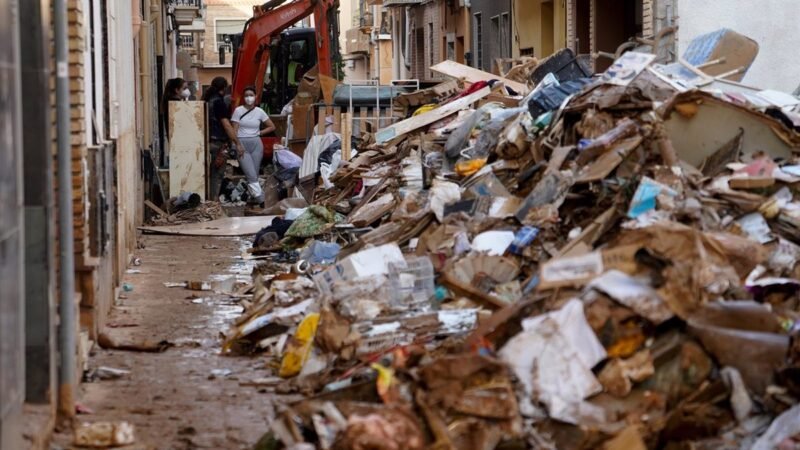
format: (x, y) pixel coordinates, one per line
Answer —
(229, 226)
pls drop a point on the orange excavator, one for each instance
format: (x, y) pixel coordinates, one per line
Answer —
(273, 57)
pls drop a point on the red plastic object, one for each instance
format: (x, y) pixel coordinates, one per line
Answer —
(269, 146)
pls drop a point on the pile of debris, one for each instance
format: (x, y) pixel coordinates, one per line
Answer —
(612, 263)
(186, 208)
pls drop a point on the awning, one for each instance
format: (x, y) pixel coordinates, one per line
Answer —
(403, 2)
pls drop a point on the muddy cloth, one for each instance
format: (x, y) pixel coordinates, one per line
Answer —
(315, 221)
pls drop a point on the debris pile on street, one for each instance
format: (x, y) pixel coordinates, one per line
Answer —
(187, 208)
(601, 262)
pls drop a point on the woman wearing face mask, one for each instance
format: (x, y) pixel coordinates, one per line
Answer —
(250, 123)
(176, 90)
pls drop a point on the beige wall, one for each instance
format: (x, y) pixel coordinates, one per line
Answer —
(205, 75)
(456, 21)
(539, 24)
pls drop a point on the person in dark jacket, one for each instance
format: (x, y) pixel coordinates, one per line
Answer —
(220, 132)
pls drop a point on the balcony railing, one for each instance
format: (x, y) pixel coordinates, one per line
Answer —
(186, 42)
(193, 3)
(186, 11)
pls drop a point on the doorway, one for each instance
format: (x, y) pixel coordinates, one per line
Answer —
(583, 44)
(547, 28)
(616, 21)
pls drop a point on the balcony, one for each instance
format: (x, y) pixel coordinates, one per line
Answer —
(388, 3)
(186, 11)
(356, 41)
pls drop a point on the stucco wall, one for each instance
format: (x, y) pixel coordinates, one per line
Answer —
(771, 23)
(528, 29)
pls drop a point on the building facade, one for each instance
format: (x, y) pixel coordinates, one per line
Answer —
(223, 18)
(424, 33)
(368, 51)
(491, 32)
(119, 53)
(539, 27)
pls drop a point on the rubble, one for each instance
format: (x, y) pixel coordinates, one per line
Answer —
(598, 265)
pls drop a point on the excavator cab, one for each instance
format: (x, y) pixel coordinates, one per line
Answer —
(270, 52)
(291, 55)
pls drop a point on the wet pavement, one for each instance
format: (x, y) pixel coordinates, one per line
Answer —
(188, 396)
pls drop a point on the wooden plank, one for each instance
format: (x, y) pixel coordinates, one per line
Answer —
(472, 75)
(187, 153)
(373, 121)
(362, 123)
(337, 119)
(320, 121)
(327, 85)
(155, 208)
(347, 133)
(416, 122)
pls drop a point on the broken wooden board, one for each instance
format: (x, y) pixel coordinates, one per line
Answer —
(416, 122)
(187, 148)
(717, 162)
(229, 226)
(472, 75)
(328, 85)
(155, 208)
(600, 168)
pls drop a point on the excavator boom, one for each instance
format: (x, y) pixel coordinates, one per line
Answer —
(270, 19)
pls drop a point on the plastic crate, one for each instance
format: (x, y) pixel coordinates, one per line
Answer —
(412, 284)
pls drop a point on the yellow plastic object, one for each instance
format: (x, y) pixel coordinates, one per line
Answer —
(298, 348)
(384, 381)
(425, 108)
(467, 168)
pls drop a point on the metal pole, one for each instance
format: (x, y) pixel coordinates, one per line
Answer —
(66, 305)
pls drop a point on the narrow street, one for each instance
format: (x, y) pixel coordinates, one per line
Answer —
(399, 225)
(188, 396)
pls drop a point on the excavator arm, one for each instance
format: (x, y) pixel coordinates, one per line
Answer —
(250, 65)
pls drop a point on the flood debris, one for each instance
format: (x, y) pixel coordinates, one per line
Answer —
(604, 261)
(104, 434)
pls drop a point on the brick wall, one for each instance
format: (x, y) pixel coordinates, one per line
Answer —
(648, 18)
(433, 36)
(571, 25)
(221, 9)
(77, 84)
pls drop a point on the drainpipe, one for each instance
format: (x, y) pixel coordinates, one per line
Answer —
(145, 78)
(66, 305)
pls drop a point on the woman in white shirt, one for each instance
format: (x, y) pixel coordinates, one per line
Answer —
(247, 122)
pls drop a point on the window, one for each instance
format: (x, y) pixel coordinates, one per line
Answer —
(186, 41)
(478, 42)
(450, 45)
(505, 36)
(496, 45)
(430, 47)
(225, 29)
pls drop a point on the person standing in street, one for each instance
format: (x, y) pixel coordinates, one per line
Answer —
(250, 123)
(220, 131)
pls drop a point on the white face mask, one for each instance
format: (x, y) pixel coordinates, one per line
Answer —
(186, 93)
(250, 100)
